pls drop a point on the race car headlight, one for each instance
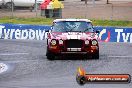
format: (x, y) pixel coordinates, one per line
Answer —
(86, 42)
(53, 42)
(60, 41)
(94, 42)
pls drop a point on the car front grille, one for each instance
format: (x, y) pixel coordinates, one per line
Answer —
(73, 43)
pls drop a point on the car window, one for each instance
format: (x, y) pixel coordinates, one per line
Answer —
(72, 26)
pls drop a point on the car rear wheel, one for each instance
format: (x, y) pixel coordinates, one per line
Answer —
(9, 5)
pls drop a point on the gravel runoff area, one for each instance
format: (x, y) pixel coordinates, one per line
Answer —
(29, 68)
(117, 10)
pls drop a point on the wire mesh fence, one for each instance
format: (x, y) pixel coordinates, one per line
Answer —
(94, 9)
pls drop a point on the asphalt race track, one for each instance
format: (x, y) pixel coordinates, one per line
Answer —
(29, 68)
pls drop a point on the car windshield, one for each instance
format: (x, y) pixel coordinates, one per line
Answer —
(72, 26)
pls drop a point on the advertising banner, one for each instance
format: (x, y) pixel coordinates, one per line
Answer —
(20, 31)
(115, 34)
(37, 32)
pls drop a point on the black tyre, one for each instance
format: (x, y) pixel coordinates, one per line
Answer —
(81, 80)
(50, 55)
(96, 55)
(9, 5)
(2, 6)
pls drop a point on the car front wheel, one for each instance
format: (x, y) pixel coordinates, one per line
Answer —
(50, 55)
(96, 55)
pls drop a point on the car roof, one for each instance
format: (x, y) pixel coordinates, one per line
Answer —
(58, 20)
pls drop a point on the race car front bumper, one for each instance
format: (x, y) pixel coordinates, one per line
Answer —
(87, 51)
(73, 52)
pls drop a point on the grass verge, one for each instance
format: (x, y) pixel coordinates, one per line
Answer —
(34, 21)
(48, 21)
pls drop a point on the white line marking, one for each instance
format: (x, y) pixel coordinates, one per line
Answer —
(3, 67)
(8, 54)
(121, 56)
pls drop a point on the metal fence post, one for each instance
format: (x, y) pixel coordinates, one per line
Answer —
(36, 8)
(107, 2)
(86, 4)
(12, 8)
(112, 8)
(2, 6)
(93, 2)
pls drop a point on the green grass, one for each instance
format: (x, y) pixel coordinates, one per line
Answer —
(112, 23)
(48, 21)
(34, 21)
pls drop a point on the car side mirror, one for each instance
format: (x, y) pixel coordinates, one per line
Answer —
(97, 31)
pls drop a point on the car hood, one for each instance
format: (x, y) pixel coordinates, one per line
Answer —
(73, 35)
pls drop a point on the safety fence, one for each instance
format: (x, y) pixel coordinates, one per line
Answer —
(37, 32)
(115, 10)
